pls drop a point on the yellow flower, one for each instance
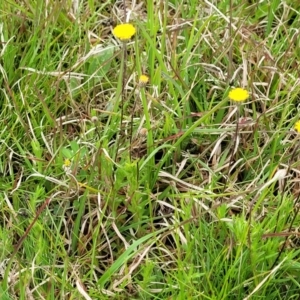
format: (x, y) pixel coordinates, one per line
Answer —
(67, 163)
(297, 126)
(238, 95)
(124, 32)
(143, 80)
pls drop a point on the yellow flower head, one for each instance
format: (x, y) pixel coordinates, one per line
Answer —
(238, 95)
(297, 126)
(143, 80)
(67, 163)
(124, 32)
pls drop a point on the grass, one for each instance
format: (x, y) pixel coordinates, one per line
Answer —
(115, 190)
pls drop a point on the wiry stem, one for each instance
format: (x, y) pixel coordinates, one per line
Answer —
(124, 65)
(123, 62)
(234, 147)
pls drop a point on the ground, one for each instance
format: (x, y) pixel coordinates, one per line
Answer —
(156, 160)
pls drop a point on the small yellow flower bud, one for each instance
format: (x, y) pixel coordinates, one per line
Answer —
(297, 126)
(143, 80)
(67, 163)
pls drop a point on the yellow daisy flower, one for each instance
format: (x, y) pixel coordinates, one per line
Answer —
(297, 126)
(238, 95)
(143, 80)
(124, 32)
